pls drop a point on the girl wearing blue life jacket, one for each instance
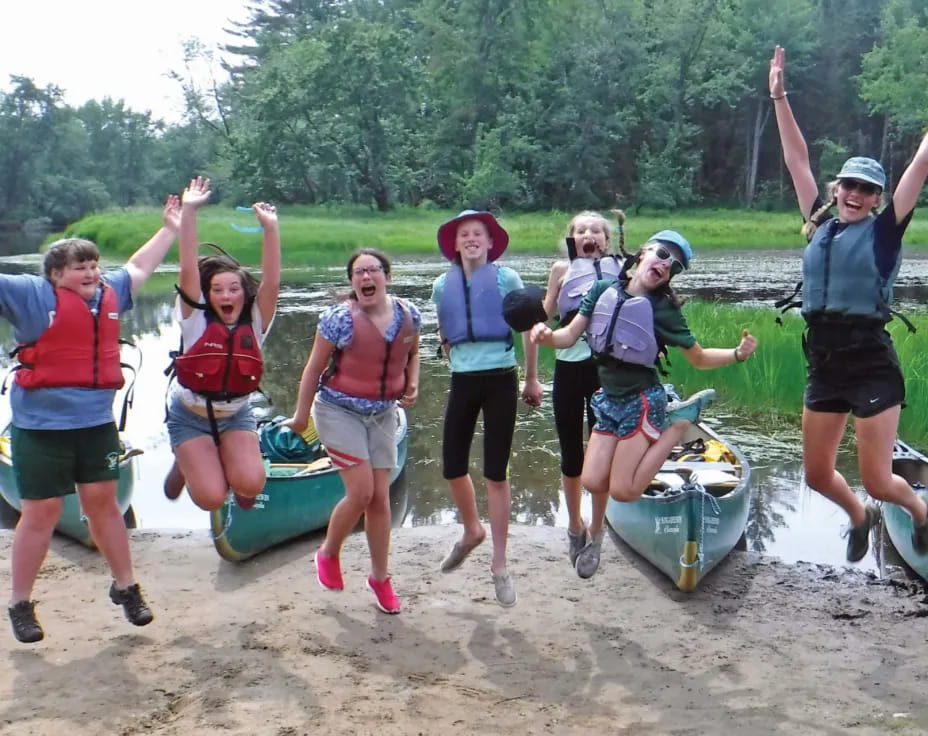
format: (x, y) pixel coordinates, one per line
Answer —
(625, 322)
(575, 376)
(224, 316)
(484, 378)
(848, 270)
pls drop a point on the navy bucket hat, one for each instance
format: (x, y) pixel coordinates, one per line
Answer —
(524, 308)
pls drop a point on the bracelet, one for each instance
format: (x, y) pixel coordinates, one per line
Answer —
(737, 359)
(781, 97)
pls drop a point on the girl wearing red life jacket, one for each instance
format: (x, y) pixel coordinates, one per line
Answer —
(225, 315)
(364, 362)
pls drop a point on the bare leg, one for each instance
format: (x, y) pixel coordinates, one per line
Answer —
(499, 501)
(636, 461)
(377, 524)
(242, 463)
(30, 543)
(107, 528)
(359, 491)
(821, 435)
(465, 498)
(573, 491)
(199, 461)
(875, 438)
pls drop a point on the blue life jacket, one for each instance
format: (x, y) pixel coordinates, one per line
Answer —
(472, 311)
(623, 327)
(840, 276)
(581, 274)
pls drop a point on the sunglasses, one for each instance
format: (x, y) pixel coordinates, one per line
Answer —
(361, 270)
(665, 255)
(864, 187)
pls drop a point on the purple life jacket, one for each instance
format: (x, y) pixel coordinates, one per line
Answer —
(579, 279)
(623, 327)
(472, 311)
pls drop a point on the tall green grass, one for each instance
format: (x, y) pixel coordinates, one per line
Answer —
(326, 235)
(770, 384)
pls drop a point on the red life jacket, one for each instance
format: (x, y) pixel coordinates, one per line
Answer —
(223, 364)
(370, 366)
(78, 349)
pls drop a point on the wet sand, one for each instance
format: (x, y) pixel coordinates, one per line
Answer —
(259, 648)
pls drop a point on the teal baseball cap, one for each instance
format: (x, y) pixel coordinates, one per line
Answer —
(864, 169)
(674, 238)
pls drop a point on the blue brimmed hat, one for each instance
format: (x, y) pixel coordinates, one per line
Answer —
(448, 231)
(674, 238)
(864, 169)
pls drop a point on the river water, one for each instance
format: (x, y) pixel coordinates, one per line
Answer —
(787, 519)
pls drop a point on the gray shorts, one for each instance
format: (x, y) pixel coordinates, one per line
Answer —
(184, 424)
(351, 438)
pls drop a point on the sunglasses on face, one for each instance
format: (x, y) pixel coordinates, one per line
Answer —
(864, 187)
(665, 255)
(372, 270)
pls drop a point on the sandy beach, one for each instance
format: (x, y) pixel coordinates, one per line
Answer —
(259, 648)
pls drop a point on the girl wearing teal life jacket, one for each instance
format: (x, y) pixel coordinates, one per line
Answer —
(624, 321)
(848, 271)
(575, 376)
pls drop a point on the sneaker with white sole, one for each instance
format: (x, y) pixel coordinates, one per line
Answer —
(588, 559)
(576, 541)
(505, 588)
(690, 409)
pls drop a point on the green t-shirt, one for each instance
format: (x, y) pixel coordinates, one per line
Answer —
(618, 378)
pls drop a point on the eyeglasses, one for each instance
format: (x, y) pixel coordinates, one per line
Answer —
(864, 187)
(361, 270)
(665, 255)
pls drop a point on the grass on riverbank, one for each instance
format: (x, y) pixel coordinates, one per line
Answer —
(326, 235)
(772, 381)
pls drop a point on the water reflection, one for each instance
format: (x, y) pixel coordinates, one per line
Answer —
(787, 519)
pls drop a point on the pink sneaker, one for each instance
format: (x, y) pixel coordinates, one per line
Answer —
(386, 598)
(329, 572)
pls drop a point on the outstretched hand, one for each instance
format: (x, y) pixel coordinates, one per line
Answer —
(747, 345)
(170, 215)
(777, 66)
(197, 192)
(266, 214)
(541, 334)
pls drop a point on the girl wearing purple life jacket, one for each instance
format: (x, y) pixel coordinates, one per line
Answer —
(576, 379)
(625, 322)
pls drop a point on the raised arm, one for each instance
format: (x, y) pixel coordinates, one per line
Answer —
(554, 287)
(795, 151)
(911, 182)
(564, 337)
(195, 196)
(270, 261)
(318, 360)
(146, 259)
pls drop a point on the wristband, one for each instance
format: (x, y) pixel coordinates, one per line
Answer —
(781, 97)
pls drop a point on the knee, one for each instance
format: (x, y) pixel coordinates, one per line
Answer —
(876, 483)
(818, 477)
(624, 494)
(248, 483)
(208, 498)
(595, 483)
(40, 515)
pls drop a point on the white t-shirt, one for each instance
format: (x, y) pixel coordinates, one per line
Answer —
(191, 330)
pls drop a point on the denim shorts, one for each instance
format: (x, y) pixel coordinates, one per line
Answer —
(625, 416)
(184, 424)
(351, 438)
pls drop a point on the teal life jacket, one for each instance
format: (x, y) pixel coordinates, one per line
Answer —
(840, 276)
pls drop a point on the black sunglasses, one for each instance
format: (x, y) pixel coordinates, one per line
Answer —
(665, 255)
(864, 187)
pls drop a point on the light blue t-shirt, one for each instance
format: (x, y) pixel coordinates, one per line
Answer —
(336, 326)
(27, 302)
(482, 356)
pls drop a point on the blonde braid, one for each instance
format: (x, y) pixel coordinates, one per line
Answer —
(817, 218)
(620, 221)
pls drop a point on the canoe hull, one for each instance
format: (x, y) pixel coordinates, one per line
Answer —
(72, 522)
(689, 532)
(287, 508)
(913, 466)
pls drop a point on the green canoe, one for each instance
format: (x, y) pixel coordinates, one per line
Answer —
(72, 523)
(297, 499)
(913, 466)
(694, 512)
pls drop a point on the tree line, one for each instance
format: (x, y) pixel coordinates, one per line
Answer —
(511, 104)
